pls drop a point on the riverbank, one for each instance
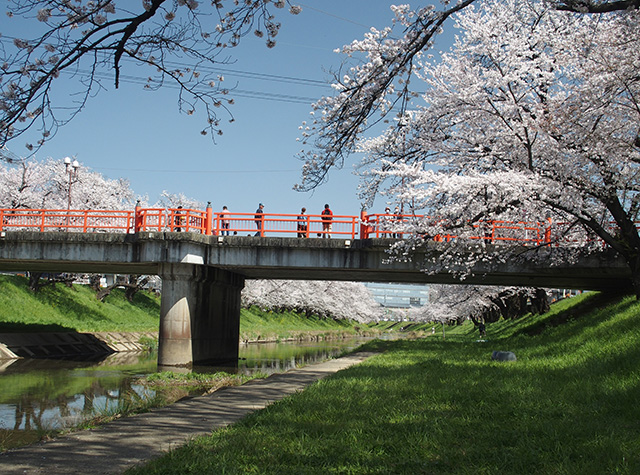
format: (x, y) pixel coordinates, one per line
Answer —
(568, 404)
(73, 344)
(126, 442)
(61, 321)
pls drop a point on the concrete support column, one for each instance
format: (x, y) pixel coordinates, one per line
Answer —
(199, 315)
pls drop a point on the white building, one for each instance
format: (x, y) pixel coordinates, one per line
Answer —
(394, 295)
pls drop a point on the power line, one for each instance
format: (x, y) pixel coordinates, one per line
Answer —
(241, 73)
(234, 92)
(334, 16)
(256, 75)
(155, 170)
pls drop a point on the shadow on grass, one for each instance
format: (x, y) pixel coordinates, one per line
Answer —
(19, 327)
(596, 301)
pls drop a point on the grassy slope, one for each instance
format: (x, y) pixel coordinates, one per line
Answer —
(256, 324)
(61, 308)
(568, 405)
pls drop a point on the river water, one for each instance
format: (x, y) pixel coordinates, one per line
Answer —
(38, 395)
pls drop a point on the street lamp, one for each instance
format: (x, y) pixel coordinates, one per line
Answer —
(72, 170)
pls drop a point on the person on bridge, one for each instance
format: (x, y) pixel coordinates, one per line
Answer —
(224, 221)
(327, 217)
(398, 217)
(259, 217)
(385, 221)
(178, 220)
(302, 223)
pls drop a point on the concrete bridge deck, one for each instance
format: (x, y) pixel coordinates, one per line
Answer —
(286, 258)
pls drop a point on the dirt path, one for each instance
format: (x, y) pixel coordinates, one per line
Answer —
(124, 443)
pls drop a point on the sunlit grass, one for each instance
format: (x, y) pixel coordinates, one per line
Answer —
(569, 404)
(61, 308)
(261, 325)
(76, 308)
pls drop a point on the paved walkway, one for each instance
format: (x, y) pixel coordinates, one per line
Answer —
(121, 444)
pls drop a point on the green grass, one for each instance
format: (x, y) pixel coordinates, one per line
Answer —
(257, 324)
(568, 405)
(61, 308)
(204, 381)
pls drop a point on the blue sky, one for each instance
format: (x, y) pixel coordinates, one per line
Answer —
(140, 135)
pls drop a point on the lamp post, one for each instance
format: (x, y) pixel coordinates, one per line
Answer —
(72, 170)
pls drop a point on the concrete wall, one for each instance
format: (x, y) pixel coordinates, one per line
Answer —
(291, 258)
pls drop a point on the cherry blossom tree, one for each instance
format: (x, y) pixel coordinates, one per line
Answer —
(329, 299)
(374, 84)
(456, 303)
(80, 42)
(367, 92)
(533, 115)
(45, 184)
(173, 200)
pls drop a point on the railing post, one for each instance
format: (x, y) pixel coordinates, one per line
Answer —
(42, 222)
(208, 220)
(137, 219)
(1, 219)
(364, 229)
(547, 232)
(86, 219)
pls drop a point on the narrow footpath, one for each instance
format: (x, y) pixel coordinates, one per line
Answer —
(124, 443)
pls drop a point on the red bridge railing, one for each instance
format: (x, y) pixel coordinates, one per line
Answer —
(534, 233)
(291, 225)
(269, 224)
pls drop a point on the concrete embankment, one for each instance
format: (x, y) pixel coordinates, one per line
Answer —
(68, 344)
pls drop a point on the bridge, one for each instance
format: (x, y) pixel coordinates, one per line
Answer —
(203, 271)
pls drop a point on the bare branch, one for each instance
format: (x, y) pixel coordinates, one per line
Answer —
(588, 6)
(83, 40)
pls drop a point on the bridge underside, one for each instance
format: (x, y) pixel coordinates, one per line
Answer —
(203, 275)
(287, 258)
(596, 278)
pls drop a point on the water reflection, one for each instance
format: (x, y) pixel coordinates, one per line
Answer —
(268, 358)
(40, 395)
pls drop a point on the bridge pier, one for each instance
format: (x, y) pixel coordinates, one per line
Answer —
(199, 315)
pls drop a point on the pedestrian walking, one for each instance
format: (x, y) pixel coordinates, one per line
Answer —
(259, 218)
(327, 218)
(224, 221)
(398, 218)
(385, 221)
(302, 223)
(178, 220)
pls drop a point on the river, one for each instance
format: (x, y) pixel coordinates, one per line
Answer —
(37, 395)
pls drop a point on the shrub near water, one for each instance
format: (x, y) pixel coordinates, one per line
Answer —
(568, 405)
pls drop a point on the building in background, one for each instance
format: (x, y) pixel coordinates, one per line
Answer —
(392, 295)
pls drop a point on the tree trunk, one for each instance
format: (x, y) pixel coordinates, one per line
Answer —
(102, 293)
(94, 282)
